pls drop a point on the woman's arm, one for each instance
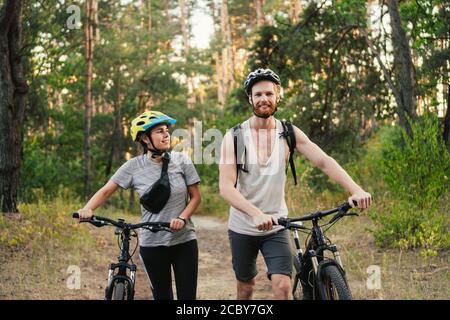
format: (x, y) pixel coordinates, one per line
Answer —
(97, 200)
(195, 198)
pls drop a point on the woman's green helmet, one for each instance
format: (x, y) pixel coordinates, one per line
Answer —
(147, 120)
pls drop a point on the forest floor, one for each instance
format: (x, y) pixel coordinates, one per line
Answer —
(45, 273)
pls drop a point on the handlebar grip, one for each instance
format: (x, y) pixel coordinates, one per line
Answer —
(347, 206)
(165, 224)
(76, 215)
(282, 222)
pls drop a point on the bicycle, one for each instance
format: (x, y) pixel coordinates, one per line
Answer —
(121, 285)
(324, 276)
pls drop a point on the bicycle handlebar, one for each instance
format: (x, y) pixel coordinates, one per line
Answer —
(343, 208)
(102, 221)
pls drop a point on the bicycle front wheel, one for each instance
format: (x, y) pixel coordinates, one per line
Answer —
(119, 291)
(333, 285)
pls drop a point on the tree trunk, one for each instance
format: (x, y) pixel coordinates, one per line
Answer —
(115, 137)
(219, 78)
(405, 69)
(260, 18)
(446, 134)
(89, 54)
(191, 100)
(13, 89)
(184, 25)
(227, 54)
(144, 98)
(216, 57)
(295, 8)
(185, 33)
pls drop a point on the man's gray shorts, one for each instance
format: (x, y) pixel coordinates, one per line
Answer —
(274, 247)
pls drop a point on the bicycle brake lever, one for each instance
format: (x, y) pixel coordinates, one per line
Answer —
(352, 214)
(339, 215)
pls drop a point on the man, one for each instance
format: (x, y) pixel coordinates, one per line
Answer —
(256, 191)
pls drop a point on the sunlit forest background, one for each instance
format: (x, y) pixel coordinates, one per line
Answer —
(368, 81)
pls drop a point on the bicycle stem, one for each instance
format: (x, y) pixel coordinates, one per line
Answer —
(124, 252)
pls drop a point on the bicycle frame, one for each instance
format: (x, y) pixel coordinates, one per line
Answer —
(316, 247)
(118, 272)
(122, 266)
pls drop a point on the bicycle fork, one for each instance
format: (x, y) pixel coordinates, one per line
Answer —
(298, 249)
(336, 256)
(114, 266)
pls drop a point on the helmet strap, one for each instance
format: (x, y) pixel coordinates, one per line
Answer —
(155, 151)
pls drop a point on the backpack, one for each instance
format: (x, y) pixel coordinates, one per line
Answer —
(240, 150)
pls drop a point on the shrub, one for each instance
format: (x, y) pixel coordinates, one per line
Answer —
(417, 169)
(414, 214)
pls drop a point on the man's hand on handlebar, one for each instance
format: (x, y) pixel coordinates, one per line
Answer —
(85, 214)
(362, 198)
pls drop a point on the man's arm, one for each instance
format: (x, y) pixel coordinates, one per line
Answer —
(332, 169)
(227, 179)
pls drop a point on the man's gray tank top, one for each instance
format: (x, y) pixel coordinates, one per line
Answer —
(263, 184)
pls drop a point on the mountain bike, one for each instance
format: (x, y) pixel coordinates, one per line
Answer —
(122, 275)
(320, 277)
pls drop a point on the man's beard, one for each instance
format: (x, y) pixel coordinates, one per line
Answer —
(269, 110)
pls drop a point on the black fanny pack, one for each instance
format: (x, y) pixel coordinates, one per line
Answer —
(158, 194)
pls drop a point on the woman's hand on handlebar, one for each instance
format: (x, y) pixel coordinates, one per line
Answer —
(177, 224)
(85, 214)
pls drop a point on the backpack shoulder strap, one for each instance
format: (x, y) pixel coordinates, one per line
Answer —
(289, 134)
(239, 150)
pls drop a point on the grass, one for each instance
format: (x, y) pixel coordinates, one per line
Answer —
(403, 274)
(39, 245)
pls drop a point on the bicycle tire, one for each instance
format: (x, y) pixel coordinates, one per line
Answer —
(333, 285)
(119, 291)
(297, 293)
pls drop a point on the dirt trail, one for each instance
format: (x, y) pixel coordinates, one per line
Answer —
(216, 277)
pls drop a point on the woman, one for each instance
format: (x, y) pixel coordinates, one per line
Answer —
(160, 251)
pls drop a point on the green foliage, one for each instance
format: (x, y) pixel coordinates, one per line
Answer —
(418, 168)
(410, 186)
(39, 222)
(404, 225)
(332, 90)
(52, 158)
(427, 22)
(212, 203)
